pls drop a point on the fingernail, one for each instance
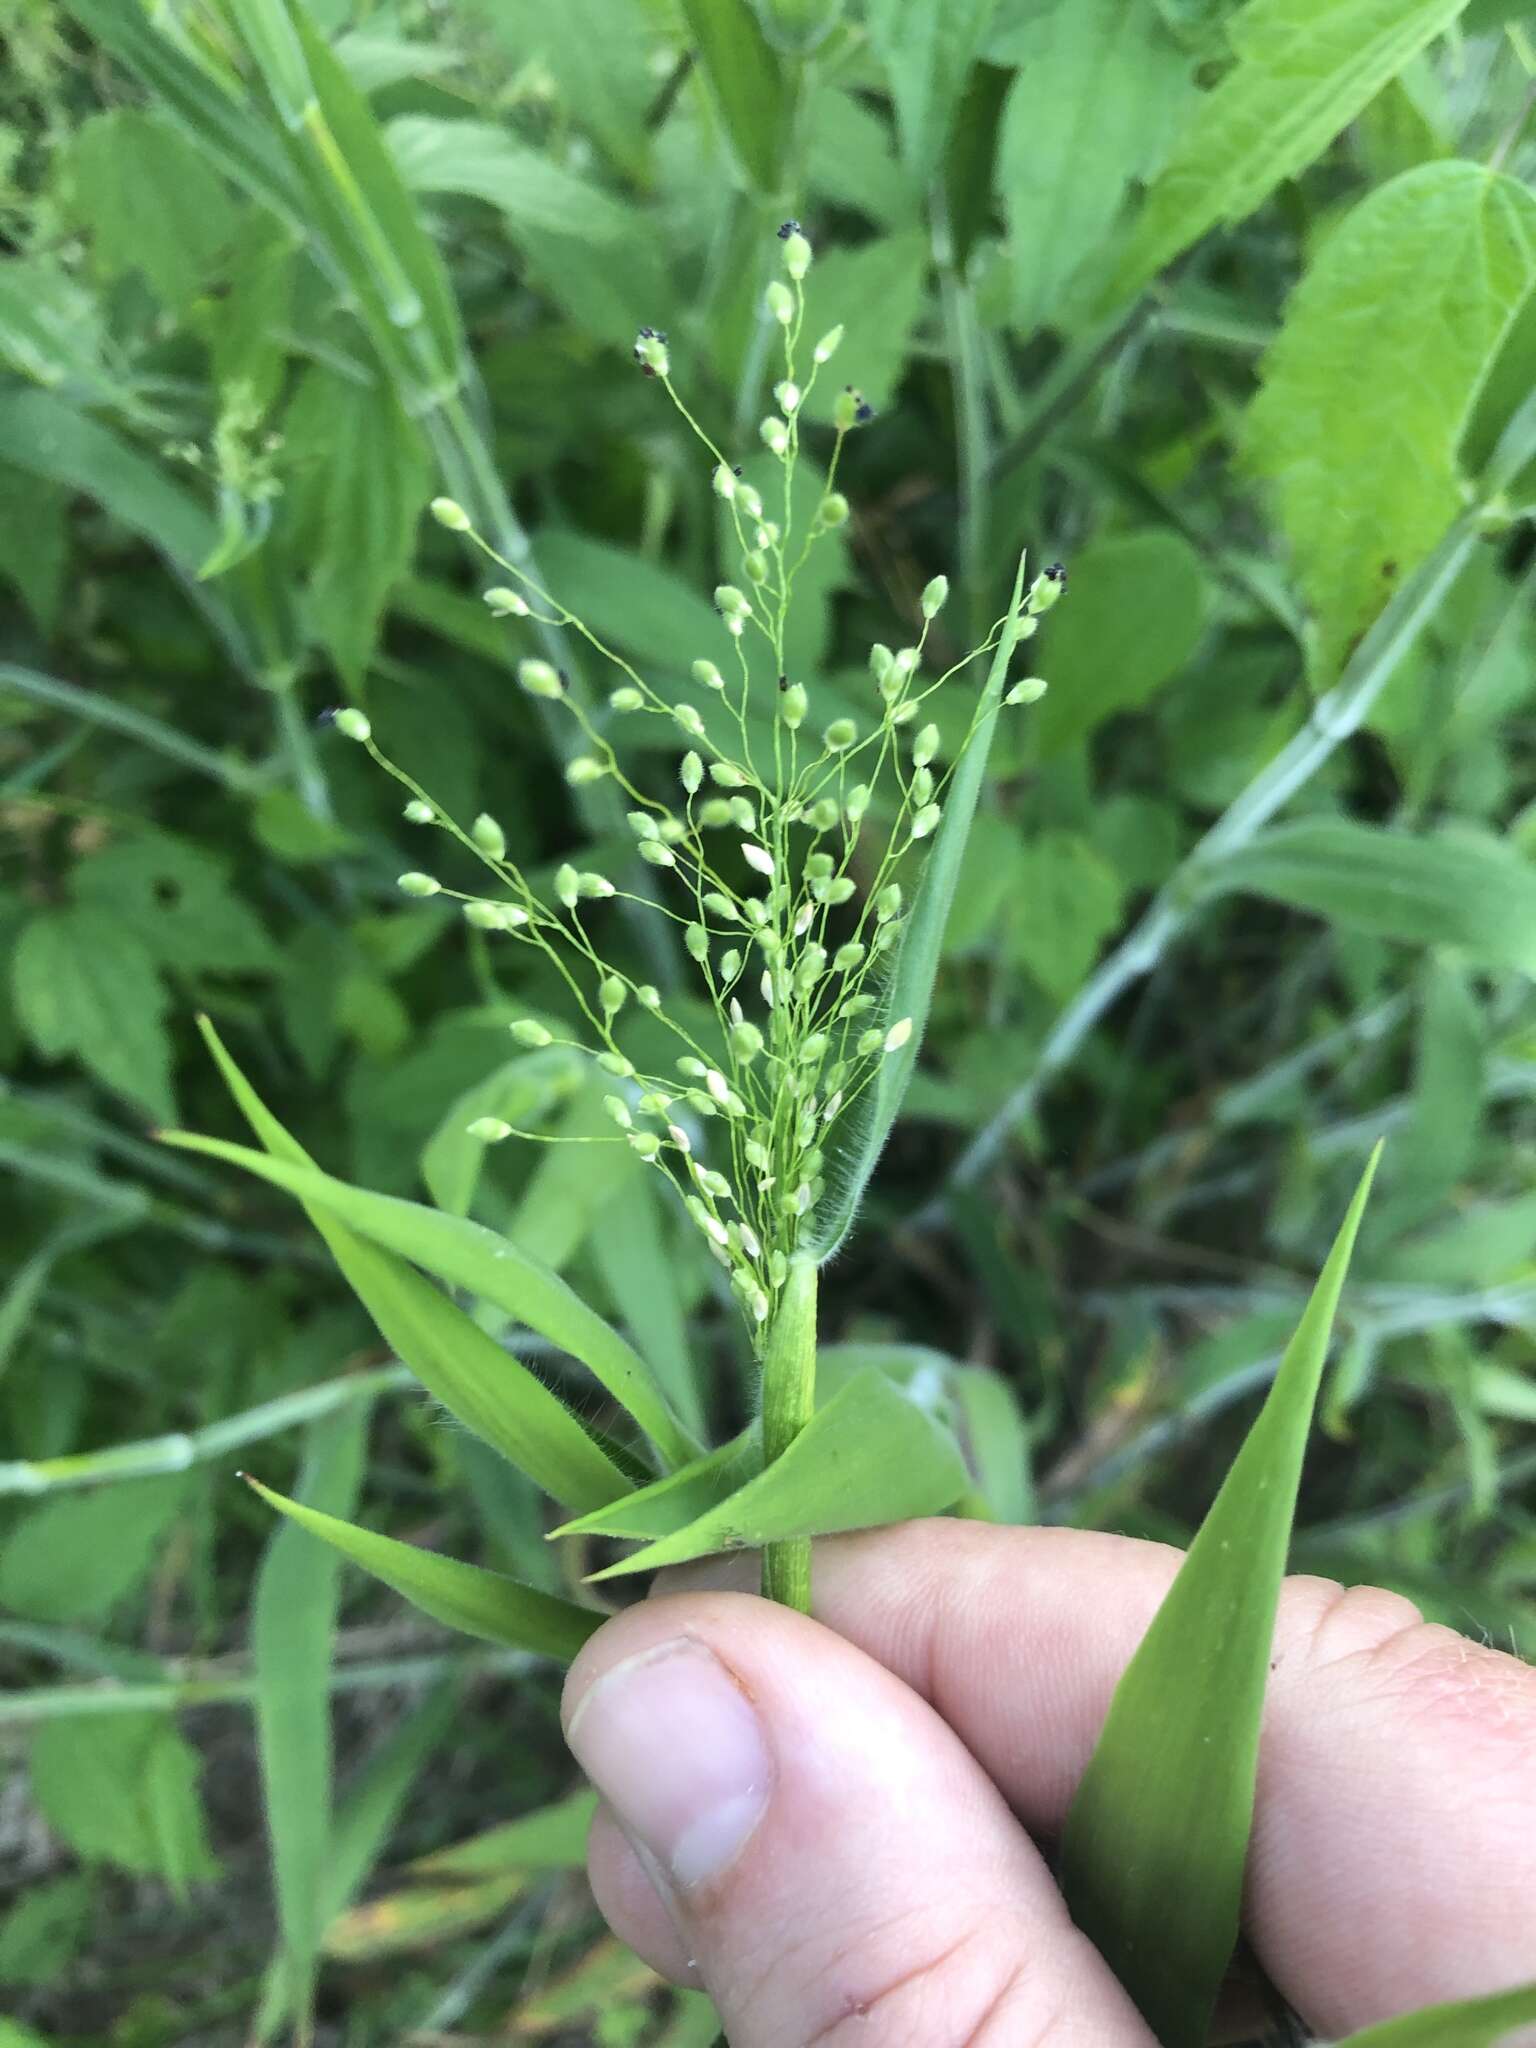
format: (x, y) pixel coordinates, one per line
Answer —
(675, 1747)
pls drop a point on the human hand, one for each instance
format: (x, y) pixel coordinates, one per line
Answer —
(830, 1824)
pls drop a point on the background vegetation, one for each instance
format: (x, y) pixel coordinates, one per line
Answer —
(1228, 308)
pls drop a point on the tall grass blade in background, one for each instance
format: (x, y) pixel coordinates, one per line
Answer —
(1156, 1839)
(910, 993)
(293, 1626)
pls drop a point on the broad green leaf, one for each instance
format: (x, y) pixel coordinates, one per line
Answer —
(630, 604)
(481, 161)
(77, 1557)
(85, 985)
(598, 53)
(361, 486)
(44, 435)
(461, 1596)
(641, 1272)
(293, 1630)
(1091, 107)
(553, 1838)
(490, 1391)
(522, 1093)
(40, 1937)
(995, 1438)
(1067, 902)
(195, 97)
(798, 26)
(141, 191)
(1440, 1143)
(51, 326)
(175, 898)
(467, 1255)
(844, 285)
(870, 1456)
(1304, 69)
(1361, 413)
(375, 61)
(1439, 890)
(122, 1789)
(852, 161)
(746, 83)
(910, 991)
(1157, 1835)
(1139, 608)
(927, 48)
(1465, 2023)
(576, 1183)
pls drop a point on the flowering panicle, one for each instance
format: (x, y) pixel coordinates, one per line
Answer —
(785, 897)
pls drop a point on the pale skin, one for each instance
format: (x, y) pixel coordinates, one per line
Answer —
(831, 1824)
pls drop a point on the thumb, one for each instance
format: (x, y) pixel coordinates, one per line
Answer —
(820, 1843)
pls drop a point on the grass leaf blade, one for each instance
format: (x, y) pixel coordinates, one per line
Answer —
(917, 958)
(461, 1596)
(1465, 2023)
(1157, 1837)
(293, 1626)
(461, 1365)
(868, 1457)
(468, 1255)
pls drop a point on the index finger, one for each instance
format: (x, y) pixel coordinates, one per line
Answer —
(1393, 1860)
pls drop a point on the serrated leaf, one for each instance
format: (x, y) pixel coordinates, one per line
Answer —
(86, 986)
(1304, 69)
(916, 967)
(869, 1457)
(1156, 1839)
(175, 898)
(461, 1596)
(1090, 108)
(1465, 2023)
(461, 1365)
(467, 1255)
(1441, 889)
(927, 48)
(1361, 411)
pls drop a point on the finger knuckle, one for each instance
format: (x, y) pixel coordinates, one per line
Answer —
(964, 1992)
(1424, 1677)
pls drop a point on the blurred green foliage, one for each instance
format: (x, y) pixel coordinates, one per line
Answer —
(1251, 888)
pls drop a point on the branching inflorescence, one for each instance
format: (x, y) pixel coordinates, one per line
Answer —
(787, 901)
